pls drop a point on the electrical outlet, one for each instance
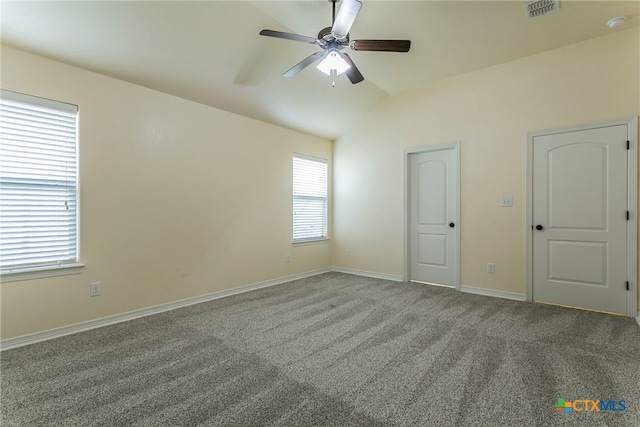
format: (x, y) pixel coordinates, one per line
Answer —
(347, 252)
(491, 268)
(287, 259)
(94, 289)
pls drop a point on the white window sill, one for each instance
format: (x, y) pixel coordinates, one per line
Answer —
(310, 242)
(41, 272)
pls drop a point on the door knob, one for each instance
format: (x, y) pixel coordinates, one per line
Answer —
(539, 227)
(451, 225)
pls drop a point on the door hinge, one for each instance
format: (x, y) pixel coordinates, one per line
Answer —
(627, 285)
(628, 145)
(627, 215)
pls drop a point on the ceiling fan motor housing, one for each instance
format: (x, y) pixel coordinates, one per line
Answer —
(327, 34)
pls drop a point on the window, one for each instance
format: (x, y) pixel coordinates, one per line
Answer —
(38, 184)
(309, 198)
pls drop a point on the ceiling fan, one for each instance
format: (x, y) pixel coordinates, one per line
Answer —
(333, 39)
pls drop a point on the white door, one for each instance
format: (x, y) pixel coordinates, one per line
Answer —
(580, 218)
(432, 217)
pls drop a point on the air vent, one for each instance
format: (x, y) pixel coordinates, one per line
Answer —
(540, 7)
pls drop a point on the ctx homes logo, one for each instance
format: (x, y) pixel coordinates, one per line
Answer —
(589, 405)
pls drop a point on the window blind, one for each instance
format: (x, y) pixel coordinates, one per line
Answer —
(38, 183)
(309, 198)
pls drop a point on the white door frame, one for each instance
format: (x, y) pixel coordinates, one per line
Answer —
(632, 204)
(455, 146)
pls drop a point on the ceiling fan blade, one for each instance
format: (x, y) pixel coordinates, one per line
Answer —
(346, 15)
(305, 63)
(381, 45)
(353, 73)
(288, 36)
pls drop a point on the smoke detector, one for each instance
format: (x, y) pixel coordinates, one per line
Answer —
(540, 7)
(616, 22)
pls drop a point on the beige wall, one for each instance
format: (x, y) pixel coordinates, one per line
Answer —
(490, 112)
(178, 199)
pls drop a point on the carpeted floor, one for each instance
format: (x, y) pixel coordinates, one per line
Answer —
(337, 350)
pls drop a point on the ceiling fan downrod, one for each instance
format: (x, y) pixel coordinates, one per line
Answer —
(333, 17)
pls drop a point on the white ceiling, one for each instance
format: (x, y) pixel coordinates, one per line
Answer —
(210, 51)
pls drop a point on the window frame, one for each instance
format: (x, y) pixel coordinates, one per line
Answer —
(325, 234)
(42, 270)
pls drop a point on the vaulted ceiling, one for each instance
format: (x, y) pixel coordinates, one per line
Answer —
(210, 51)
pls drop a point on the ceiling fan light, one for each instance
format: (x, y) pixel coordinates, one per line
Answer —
(333, 61)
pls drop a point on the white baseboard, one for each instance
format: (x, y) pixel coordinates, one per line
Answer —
(493, 293)
(467, 289)
(372, 274)
(23, 340)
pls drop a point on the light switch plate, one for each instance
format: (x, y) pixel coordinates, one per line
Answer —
(506, 201)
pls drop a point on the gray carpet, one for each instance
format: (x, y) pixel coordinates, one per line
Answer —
(337, 350)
